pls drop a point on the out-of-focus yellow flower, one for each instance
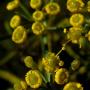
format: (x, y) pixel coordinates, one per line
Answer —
(75, 5)
(33, 78)
(40, 65)
(19, 35)
(52, 8)
(15, 21)
(12, 5)
(28, 60)
(65, 30)
(20, 86)
(83, 69)
(35, 4)
(88, 6)
(38, 28)
(24, 85)
(61, 63)
(38, 15)
(76, 19)
(88, 35)
(74, 34)
(61, 76)
(75, 64)
(82, 42)
(73, 86)
(50, 62)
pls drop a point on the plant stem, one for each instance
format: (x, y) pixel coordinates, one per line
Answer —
(71, 52)
(64, 45)
(49, 43)
(7, 27)
(9, 77)
(25, 10)
(7, 57)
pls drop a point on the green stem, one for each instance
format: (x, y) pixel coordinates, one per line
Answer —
(49, 77)
(23, 15)
(70, 51)
(49, 43)
(42, 45)
(44, 79)
(63, 47)
(9, 77)
(7, 27)
(7, 57)
(25, 10)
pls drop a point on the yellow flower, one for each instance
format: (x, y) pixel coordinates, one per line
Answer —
(75, 5)
(61, 76)
(76, 19)
(82, 42)
(28, 60)
(12, 5)
(15, 21)
(35, 4)
(52, 8)
(50, 62)
(40, 65)
(73, 86)
(88, 35)
(75, 64)
(74, 34)
(20, 86)
(24, 85)
(38, 15)
(19, 35)
(38, 28)
(61, 63)
(83, 69)
(33, 78)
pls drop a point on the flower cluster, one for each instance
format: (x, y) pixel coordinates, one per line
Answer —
(42, 24)
(50, 62)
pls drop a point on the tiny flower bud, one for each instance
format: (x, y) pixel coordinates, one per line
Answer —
(75, 5)
(12, 5)
(35, 4)
(28, 60)
(38, 15)
(52, 8)
(74, 34)
(61, 76)
(38, 28)
(15, 21)
(19, 35)
(75, 64)
(76, 19)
